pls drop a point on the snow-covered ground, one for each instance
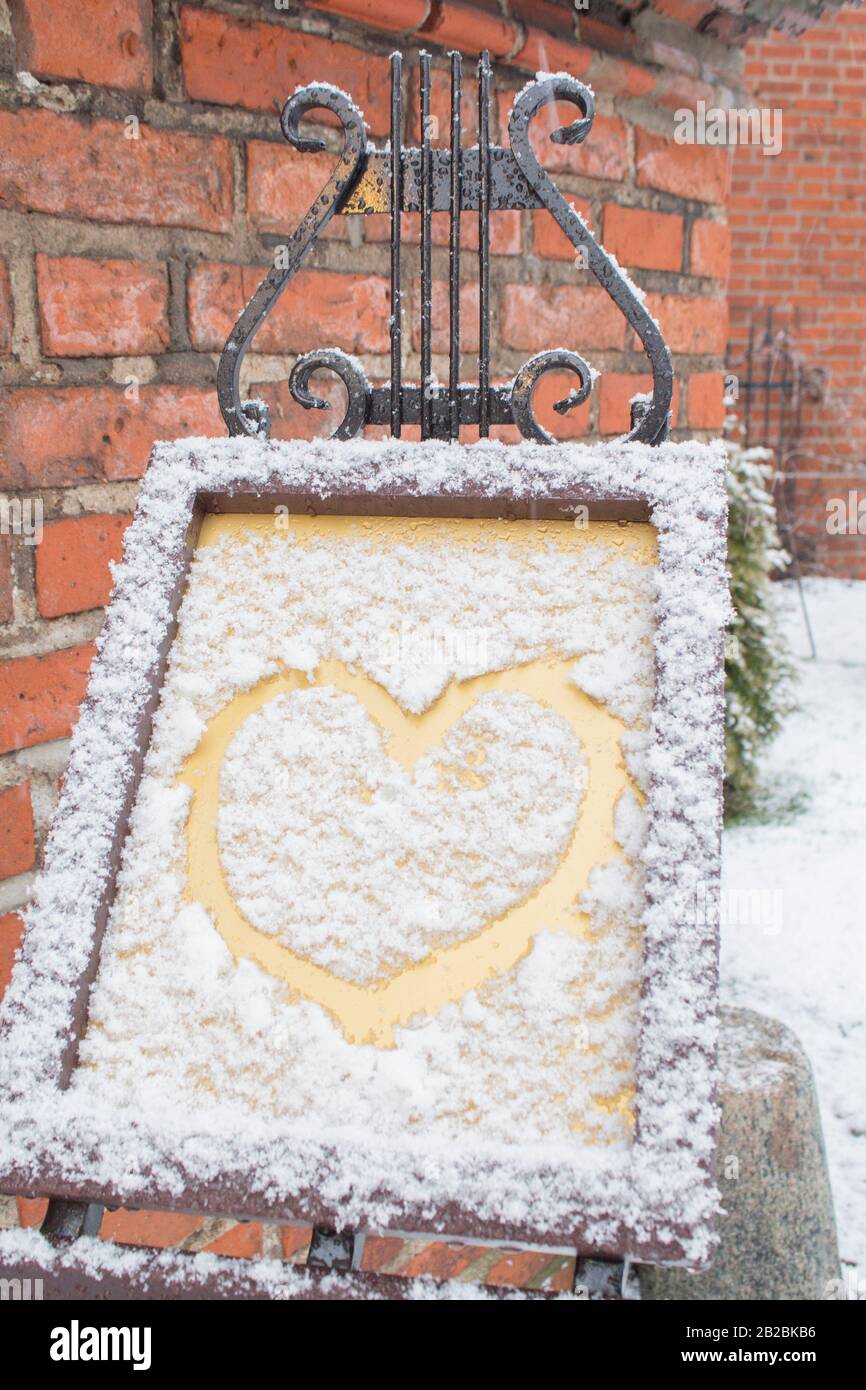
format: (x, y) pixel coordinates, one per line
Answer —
(803, 957)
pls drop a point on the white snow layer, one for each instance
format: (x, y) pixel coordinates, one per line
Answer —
(332, 846)
(143, 1133)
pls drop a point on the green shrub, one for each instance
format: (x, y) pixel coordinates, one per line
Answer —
(758, 673)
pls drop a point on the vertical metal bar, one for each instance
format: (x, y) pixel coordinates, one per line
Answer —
(65, 1220)
(484, 245)
(798, 402)
(426, 248)
(454, 247)
(331, 1249)
(396, 223)
(771, 364)
(750, 376)
(784, 399)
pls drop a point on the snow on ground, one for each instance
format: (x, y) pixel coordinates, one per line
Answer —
(803, 957)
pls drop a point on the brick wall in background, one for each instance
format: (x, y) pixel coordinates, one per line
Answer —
(798, 224)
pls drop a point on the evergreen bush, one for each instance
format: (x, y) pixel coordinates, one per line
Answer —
(758, 672)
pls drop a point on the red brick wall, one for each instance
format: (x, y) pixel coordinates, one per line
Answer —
(798, 224)
(143, 187)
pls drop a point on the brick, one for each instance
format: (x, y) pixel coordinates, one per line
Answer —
(603, 156)
(410, 1258)
(391, 15)
(506, 230)
(618, 77)
(318, 308)
(73, 168)
(106, 42)
(533, 1269)
(651, 240)
(470, 29)
(548, 238)
(242, 1241)
(544, 52)
(440, 107)
(706, 409)
(243, 62)
(40, 695)
(6, 599)
(437, 1259)
(689, 171)
(11, 936)
(441, 316)
(380, 1254)
(5, 311)
(289, 420)
(282, 184)
(17, 847)
(294, 1241)
(610, 37)
(157, 1229)
(691, 325)
(688, 12)
(553, 387)
(614, 407)
(93, 308)
(711, 249)
(57, 437)
(72, 563)
(615, 394)
(554, 18)
(31, 1210)
(534, 316)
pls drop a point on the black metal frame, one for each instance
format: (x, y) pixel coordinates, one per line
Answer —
(485, 179)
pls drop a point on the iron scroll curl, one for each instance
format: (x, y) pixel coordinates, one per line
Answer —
(251, 417)
(653, 421)
(524, 383)
(485, 178)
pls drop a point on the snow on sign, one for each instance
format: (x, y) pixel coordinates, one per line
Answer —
(367, 901)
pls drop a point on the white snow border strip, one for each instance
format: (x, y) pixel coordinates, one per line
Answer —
(657, 1201)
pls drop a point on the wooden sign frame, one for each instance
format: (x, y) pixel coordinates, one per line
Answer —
(657, 1202)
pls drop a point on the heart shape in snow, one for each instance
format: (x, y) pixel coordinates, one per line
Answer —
(381, 879)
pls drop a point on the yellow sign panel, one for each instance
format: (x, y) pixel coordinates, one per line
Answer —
(393, 806)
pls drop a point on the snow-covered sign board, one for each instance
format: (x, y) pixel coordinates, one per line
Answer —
(377, 892)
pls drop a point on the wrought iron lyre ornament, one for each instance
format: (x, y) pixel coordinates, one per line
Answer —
(485, 179)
